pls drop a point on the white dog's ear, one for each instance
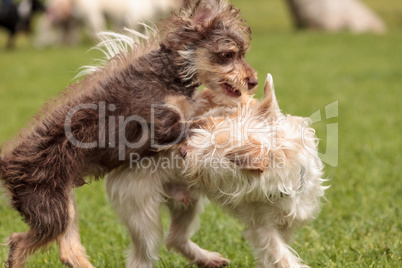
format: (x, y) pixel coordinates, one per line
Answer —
(269, 105)
(248, 156)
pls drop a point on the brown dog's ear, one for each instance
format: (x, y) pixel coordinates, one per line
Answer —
(203, 15)
(269, 105)
(187, 3)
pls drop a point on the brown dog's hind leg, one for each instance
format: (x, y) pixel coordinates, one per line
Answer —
(22, 245)
(72, 253)
(46, 212)
(18, 253)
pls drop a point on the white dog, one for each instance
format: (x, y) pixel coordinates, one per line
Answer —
(260, 165)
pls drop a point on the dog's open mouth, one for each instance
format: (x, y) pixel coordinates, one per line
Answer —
(230, 91)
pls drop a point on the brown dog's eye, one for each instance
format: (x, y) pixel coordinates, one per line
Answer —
(227, 55)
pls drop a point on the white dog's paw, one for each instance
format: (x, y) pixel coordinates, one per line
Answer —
(212, 260)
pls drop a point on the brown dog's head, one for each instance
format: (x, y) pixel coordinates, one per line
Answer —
(211, 40)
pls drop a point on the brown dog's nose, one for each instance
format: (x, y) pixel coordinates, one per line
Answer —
(252, 83)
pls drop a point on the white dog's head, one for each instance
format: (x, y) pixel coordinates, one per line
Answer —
(256, 155)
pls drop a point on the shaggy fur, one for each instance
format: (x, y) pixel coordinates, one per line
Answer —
(78, 135)
(258, 164)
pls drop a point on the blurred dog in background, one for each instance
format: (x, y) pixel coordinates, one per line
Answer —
(63, 18)
(17, 18)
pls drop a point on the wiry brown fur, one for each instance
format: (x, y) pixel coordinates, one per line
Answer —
(43, 166)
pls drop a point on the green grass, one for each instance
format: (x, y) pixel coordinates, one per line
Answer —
(360, 224)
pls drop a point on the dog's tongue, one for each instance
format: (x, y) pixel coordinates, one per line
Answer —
(231, 91)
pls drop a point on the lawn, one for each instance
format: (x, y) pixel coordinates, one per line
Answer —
(360, 223)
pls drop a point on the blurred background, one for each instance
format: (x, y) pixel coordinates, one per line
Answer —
(338, 61)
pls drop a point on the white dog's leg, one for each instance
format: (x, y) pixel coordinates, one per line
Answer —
(147, 235)
(137, 199)
(142, 218)
(72, 253)
(268, 243)
(184, 223)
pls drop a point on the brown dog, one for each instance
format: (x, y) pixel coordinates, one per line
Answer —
(133, 102)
